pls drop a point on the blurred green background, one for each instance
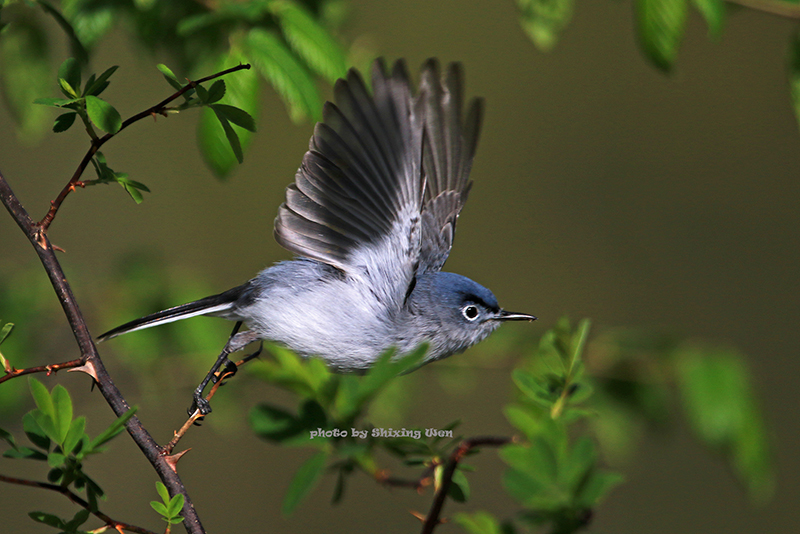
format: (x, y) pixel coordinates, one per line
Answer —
(602, 189)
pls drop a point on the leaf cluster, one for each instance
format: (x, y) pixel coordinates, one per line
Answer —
(170, 507)
(60, 440)
(555, 476)
(327, 418)
(291, 43)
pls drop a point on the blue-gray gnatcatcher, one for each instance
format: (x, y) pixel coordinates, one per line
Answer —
(371, 216)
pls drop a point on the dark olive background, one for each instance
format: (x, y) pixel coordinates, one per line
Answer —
(602, 189)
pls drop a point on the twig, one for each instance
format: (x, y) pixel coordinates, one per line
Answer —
(432, 519)
(780, 8)
(425, 479)
(52, 368)
(196, 415)
(90, 356)
(113, 523)
(100, 141)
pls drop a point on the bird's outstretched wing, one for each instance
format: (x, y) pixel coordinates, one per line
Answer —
(376, 197)
(357, 196)
(449, 145)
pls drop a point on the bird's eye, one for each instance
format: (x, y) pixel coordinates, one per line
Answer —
(470, 312)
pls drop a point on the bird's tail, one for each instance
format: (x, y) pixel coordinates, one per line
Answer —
(213, 305)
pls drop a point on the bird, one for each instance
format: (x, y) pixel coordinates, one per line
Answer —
(371, 218)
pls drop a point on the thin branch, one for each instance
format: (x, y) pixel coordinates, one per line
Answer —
(113, 523)
(221, 375)
(52, 368)
(432, 519)
(780, 8)
(158, 109)
(92, 362)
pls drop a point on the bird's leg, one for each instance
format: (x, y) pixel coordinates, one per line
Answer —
(230, 367)
(235, 343)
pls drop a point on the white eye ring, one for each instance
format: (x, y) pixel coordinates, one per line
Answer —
(470, 312)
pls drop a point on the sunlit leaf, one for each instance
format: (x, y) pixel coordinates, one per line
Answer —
(103, 114)
(661, 25)
(62, 403)
(221, 143)
(478, 523)
(98, 85)
(544, 20)
(714, 12)
(310, 40)
(287, 75)
(304, 481)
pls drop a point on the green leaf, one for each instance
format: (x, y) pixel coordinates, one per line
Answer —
(98, 86)
(661, 25)
(64, 121)
(56, 459)
(62, 404)
(6, 436)
(596, 487)
(459, 487)
(109, 433)
(91, 21)
(310, 40)
(721, 405)
(47, 519)
(162, 491)
(160, 508)
(70, 73)
(56, 102)
(80, 517)
(230, 135)
(26, 74)
(237, 116)
(35, 432)
(103, 114)
(25, 452)
(304, 481)
(42, 398)
(288, 76)
(175, 505)
(5, 331)
(75, 434)
(479, 522)
(132, 187)
(170, 76)
(794, 74)
(216, 92)
(714, 12)
(221, 144)
(544, 20)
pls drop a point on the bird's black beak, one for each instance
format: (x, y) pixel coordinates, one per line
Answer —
(512, 316)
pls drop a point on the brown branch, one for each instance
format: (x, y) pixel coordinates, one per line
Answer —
(221, 375)
(113, 523)
(158, 109)
(788, 10)
(91, 358)
(13, 372)
(432, 519)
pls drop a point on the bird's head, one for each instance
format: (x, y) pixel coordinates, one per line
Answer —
(460, 312)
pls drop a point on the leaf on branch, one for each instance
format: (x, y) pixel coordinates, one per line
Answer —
(714, 12)
(170, 77)
(103, 114)
(221, 143)
(304, 481)
(794, 74)
(287, 75)
(310, 40)
(64, 122)
(69, 77)
(96, 86)
(544, 20)
(661, 25)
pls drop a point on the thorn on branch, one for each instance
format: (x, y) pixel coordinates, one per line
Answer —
(172, 459)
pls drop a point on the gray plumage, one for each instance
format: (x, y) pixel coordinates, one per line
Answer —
(371, 216)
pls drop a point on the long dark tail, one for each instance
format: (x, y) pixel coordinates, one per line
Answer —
(213, 305)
